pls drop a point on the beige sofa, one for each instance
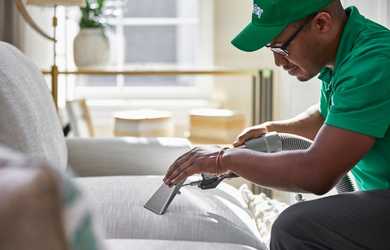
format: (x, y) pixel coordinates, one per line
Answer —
(42, 208)
(119, 175)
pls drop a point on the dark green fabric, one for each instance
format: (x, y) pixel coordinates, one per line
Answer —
(80, 228)
(355, 95)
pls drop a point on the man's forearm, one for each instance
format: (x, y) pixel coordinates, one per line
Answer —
(292, 171)
(306, 124)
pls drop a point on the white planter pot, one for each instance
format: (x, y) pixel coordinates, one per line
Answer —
(91, 47)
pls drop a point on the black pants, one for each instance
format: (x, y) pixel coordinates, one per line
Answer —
(359, 220)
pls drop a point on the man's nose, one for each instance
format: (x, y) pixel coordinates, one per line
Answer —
(280, 60)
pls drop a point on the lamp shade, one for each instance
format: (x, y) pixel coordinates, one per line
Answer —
(57, 2)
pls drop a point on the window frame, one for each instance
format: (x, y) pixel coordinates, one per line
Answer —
(201, 89)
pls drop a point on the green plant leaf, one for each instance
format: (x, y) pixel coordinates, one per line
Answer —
(91, 14)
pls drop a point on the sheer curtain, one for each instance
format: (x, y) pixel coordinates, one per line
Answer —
(10, 30)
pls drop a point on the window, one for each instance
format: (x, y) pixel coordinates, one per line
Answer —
(152, 32)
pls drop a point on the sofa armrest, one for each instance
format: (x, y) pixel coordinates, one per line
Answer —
(124, 156)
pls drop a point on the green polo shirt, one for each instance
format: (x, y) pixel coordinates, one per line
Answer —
(355, 95)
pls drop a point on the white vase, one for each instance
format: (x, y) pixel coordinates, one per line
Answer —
(91, 47)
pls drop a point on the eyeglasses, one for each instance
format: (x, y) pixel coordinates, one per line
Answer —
(283, 49)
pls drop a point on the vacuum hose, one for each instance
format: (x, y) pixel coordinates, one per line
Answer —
(278, 142)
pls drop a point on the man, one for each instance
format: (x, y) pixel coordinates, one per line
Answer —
(349, 128)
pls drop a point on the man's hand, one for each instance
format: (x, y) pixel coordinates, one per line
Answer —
(251, 133)
(198, 160)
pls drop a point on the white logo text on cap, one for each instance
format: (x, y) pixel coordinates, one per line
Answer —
(257, 11)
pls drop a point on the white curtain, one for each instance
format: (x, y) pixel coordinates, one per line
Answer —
(10, 23)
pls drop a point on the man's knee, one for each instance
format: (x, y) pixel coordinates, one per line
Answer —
(289, 218)
(291, 223)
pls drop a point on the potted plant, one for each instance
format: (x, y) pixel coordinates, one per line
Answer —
(91, 45)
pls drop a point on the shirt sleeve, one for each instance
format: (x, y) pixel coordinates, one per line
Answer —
(361, 98)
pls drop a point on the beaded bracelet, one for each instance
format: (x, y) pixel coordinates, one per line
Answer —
(218, 161)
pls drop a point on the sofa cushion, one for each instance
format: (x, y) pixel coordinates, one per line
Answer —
(29, 121)
(124, 155)
(217, 215)
(171, 245)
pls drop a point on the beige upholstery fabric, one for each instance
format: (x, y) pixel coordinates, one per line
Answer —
(28, 118)
(124, 156)
(195, 215)
(171, 245)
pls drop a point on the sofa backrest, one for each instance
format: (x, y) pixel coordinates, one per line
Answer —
(28, 119)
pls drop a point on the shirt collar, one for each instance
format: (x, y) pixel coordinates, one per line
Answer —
(325, 75)
(354, 25)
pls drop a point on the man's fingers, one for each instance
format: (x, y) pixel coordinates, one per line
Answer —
(179, 170)
(195, 161)
(238, 143)
(245, 137)
(191, 170)
(180, 161)
(248, 136)
(179, 167)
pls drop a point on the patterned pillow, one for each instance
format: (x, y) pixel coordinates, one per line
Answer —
(81, 229)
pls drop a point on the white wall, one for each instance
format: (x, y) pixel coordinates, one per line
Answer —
(230, 16)
(377, 10)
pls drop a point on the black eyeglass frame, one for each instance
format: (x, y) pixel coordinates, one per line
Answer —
(283, 49)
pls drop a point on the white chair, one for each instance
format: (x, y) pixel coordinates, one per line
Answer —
(119, 174)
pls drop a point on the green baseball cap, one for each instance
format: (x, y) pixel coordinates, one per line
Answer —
(271, 17)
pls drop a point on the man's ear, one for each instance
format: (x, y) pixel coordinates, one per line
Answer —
(323, 22)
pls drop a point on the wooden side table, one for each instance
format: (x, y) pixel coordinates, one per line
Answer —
(215, 126)
(143, 123)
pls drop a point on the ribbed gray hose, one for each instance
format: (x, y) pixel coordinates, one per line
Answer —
(278, 142)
